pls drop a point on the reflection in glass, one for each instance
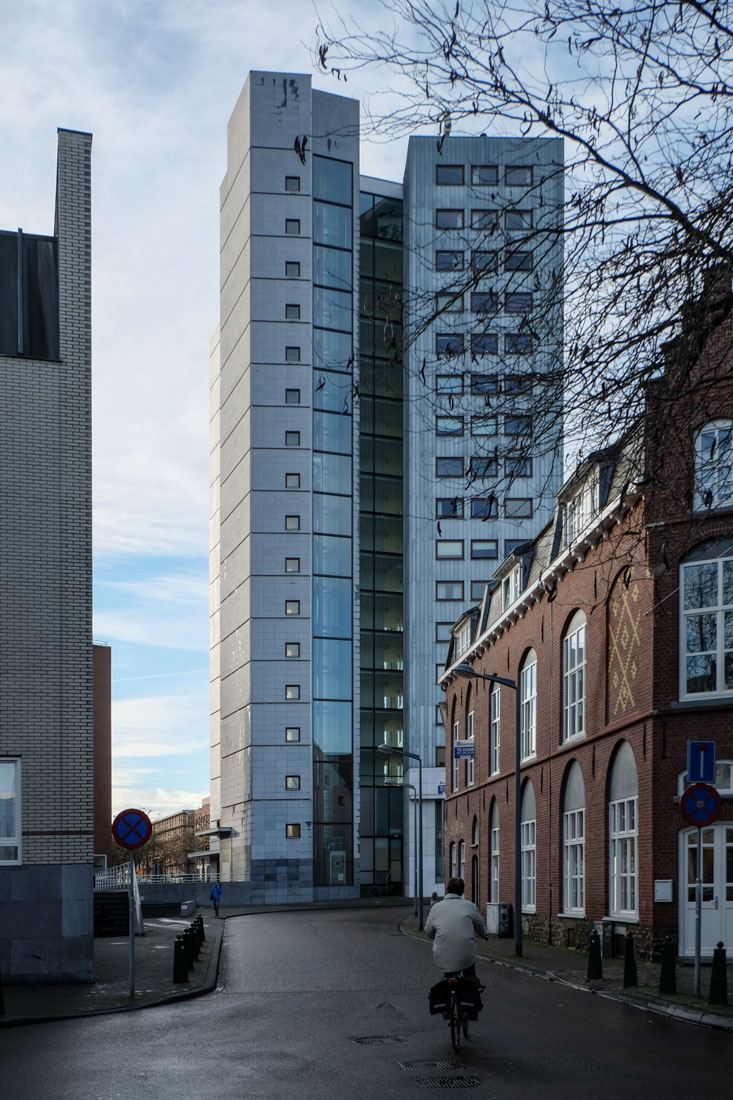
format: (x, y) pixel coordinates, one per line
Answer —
(332, 728)
(332, 432)
(332, 555)
(332, 267)
(331, 225)
(331, 473)
(331, 669)
(332, 514)
(332, 391)
(332, 607)
(332, 180)
(332, 308)
(332, 350)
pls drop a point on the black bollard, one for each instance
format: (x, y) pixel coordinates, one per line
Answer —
(180, 970)
(595, 963)
(196, 941)
(201, 926)
(630, 976)
(719, 978)
(188, 947)
(667, 976)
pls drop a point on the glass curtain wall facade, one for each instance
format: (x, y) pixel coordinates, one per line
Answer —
(333, 535)
(381, 537)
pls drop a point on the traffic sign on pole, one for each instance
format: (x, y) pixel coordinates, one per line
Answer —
(132, 829)
(701, 762)
(700, 805)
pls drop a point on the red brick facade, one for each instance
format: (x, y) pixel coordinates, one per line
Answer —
(624, 574)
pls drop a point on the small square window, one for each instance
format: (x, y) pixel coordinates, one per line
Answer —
(518, 261)
(292, 607)
(439, 670)
(485, 219)
(292, 523)
(518, 175)
(292, 782)
(449, 508)
(449, 549)
(440, 756)
(292, 565)
(449, 219)
(292, 649)
(448, 261)
(477, 589)
(442, 632)
(292, 312)
(518, 302)
(292, 832)
(449, 174)
(449, 425)
(518, 508)
(449, 343)
(517, 425)
(292, 439)
(449, 467)
(292, 226)
(449, 590)
(292, 397)
(484, 343)
(292, 691)
(484, 301)
(485, 507)
(449, 383)
(483, 425)
(292, 183)
(517, 466)
(484, 383)
(448, 303)
(517, 343)
(518, 384)
(517, 219)
(439, 720)
(292, 733)
(484, 175)
(485, 261)
(292, 355)
(483, 467)
(292, 269)
(292, 481)
(484, 548)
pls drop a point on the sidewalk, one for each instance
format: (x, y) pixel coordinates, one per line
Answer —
(570, 967)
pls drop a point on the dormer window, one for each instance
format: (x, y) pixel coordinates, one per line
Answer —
(580, 509)
(511, 587)
(714, 466)
(463, 638)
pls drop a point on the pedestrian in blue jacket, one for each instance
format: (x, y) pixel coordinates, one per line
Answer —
(215, 896)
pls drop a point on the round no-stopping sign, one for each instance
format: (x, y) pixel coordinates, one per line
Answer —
(132, 828)
(700, 804)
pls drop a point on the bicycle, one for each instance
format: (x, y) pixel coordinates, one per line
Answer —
(458, 1006)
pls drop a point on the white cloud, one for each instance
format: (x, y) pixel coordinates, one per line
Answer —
(159, 725)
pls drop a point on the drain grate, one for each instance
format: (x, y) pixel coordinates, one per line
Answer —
(447, 1082)
(430, 1063)
(376, 1040)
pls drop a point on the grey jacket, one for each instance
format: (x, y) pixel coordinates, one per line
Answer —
(453, 923)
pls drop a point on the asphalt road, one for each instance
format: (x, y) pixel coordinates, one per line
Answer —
(296, 991)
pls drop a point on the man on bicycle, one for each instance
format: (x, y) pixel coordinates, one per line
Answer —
(453, 924)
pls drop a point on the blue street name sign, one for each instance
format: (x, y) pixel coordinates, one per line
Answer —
(463, 748)
(700, 762)
(441, 788)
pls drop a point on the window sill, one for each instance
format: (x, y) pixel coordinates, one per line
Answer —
(528, 759)
(574, 914)
(713, 700)
(619, 918)
(571, 740)
(530, 910)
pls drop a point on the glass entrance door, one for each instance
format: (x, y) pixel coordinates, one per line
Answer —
(717, 888)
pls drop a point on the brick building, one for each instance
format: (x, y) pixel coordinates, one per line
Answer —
(616, 624)
(46, 735)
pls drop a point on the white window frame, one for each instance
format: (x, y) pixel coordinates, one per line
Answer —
(494, 883)
(529, 866)
(470, 761)
(14, 839)
(623, 864)
(452, 859)
(574, 861)
(463, 636)
(714, 466)
(494, 729)
(462, 859)
(573, 685)
(528, 706)
(511, 587)
(580, 509)
(719, 611)
(455, 758)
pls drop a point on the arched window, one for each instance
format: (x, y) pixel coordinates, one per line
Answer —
(452, 859)
(706, 620)
(528, 705)
(469, 737)
(474, 831)
(454, 738)
(714, 466)
(573, 679)
(622, 833)
(494, 729)
(529, 848)
(462, 860)
(494, 866)
(573, 835)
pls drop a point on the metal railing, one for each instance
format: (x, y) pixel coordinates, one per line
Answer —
(116, 878)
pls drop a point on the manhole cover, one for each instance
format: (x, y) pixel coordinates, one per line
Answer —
(375, 1040)
(447, 1082)
(430, 1063)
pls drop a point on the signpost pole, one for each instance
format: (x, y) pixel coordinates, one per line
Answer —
(132, 924)
(698, 911)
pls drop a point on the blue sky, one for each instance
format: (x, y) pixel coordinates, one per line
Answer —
(155, 83)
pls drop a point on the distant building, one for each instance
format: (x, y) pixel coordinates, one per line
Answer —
(46, 704)
(360, 495)
(616, 623)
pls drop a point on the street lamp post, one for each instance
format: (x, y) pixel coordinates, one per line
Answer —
(393, 783)
(465, 670)
(418, 839)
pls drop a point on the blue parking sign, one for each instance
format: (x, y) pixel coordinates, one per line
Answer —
(700, 762)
